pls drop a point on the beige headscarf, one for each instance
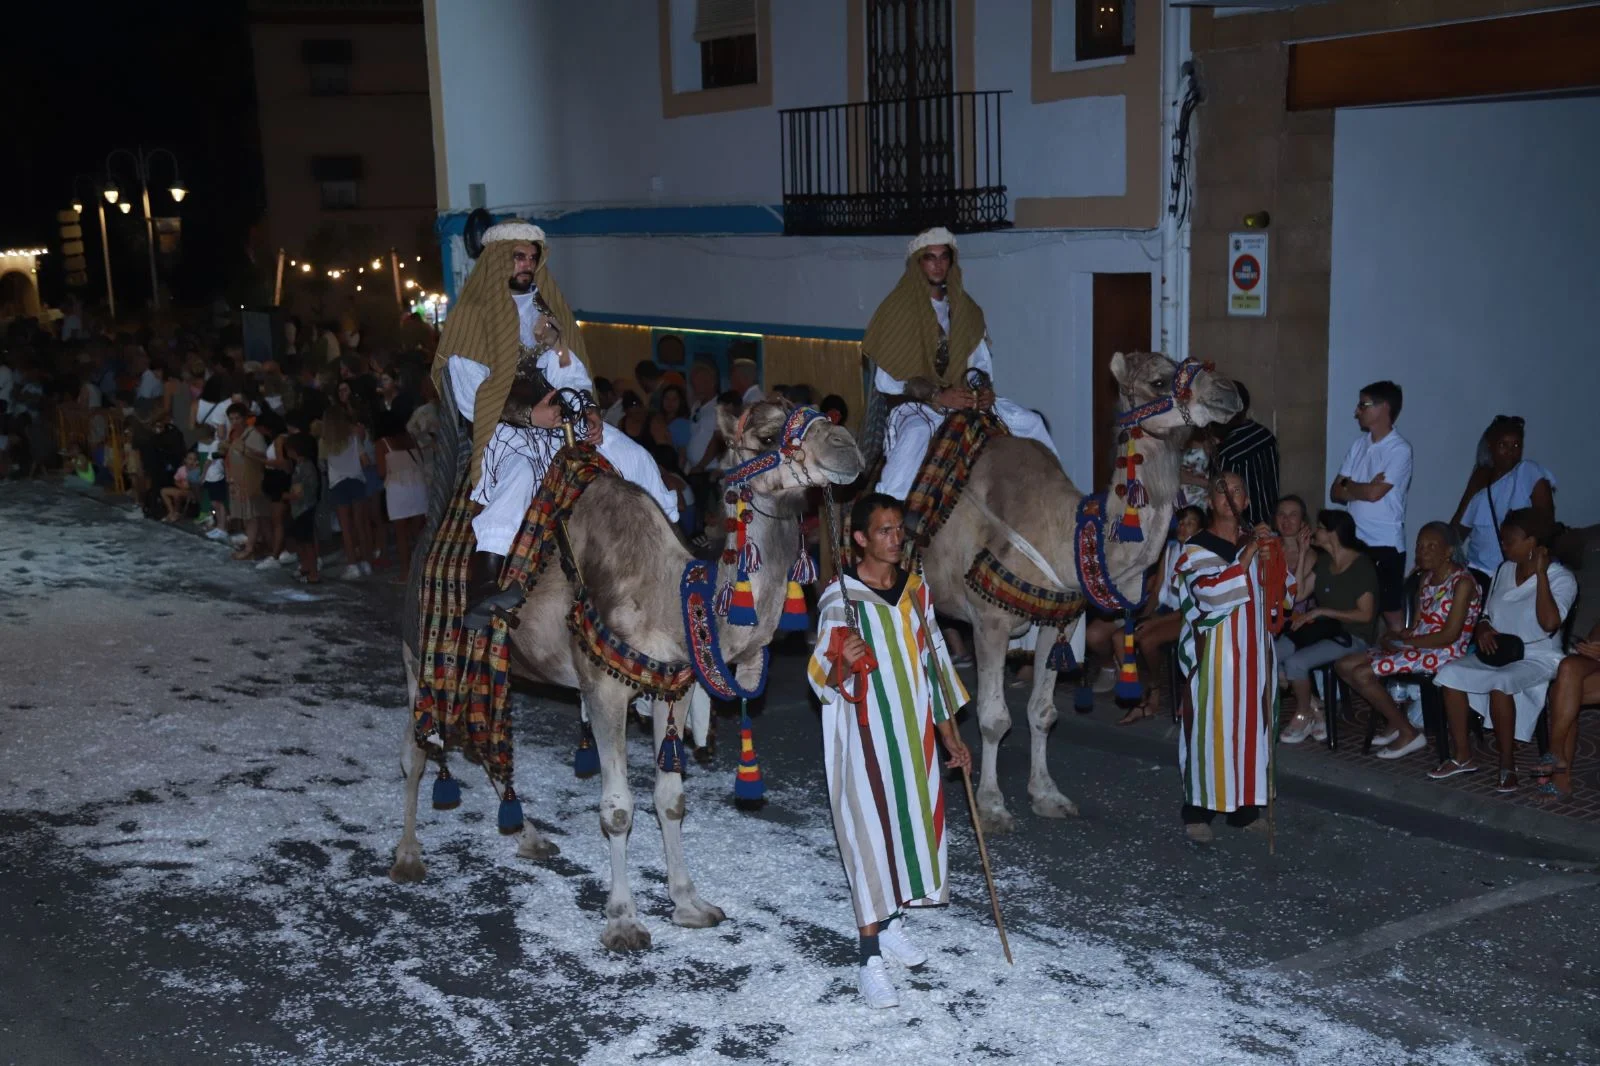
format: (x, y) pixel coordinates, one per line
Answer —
(903, 336)
(483, 326)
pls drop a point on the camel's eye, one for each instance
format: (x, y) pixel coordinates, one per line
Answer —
(768, 440)
(1160, 383)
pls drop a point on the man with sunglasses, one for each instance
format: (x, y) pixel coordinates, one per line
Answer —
(1373, 483)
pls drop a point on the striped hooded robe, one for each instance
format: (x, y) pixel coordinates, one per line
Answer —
(1225, 653)
(884, 783)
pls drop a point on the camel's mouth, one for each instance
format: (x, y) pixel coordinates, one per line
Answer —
(841, 475)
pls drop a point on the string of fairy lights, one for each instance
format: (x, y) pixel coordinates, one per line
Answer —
(420, 300)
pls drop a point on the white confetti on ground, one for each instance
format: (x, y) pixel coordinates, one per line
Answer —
(233, 776)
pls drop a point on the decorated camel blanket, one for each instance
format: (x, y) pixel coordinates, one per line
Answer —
(955, 447)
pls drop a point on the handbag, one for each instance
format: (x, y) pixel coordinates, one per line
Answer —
(1508, 649)
(1321, 629)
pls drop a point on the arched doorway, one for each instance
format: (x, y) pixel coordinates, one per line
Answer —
(18, 295)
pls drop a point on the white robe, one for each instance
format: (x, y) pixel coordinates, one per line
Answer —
(911, 425)
(516, 458)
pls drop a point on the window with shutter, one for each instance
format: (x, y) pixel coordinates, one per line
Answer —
(726, 33)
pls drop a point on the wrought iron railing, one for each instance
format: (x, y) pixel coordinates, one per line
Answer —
(894, 166)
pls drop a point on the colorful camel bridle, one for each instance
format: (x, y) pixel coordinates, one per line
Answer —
(1180, 396)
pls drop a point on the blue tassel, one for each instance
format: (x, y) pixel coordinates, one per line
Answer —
(446, 791)
(510, 813)
(1083, 699)
(586, 760)
(1061, 659)
(670, 759)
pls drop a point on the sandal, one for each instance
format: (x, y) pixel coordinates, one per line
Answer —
(1450, 768)
(1148, 707)
(1507, 781)
(1546, 768)
(1548, 795)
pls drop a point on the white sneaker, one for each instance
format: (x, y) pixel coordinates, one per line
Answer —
(1106, 681)
(366, 569)
(1298, 729)
(1383, 740)
(350, 573)
(287, 557)
(873, 981)
(238, 540)
(893, 941)
(269, 563)
(216, 534)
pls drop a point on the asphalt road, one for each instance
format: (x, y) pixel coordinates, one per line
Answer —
(199, 796)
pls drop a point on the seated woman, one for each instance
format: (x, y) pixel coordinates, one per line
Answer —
(1577, 683)
(1344, 584)
(1293, 524)
(1446, 609)
(1528, 601)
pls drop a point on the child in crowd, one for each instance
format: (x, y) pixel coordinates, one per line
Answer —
(79, 470)
(342, 438)
(305, 489)
(404, 490)
(185, 488)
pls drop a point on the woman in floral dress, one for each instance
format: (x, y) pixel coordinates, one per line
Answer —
(1448, 602)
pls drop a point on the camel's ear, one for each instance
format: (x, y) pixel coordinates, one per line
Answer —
(1121, 368)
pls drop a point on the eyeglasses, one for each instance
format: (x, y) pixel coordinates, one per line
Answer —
(1362, 405)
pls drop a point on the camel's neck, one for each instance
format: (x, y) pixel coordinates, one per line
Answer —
(776, 535)
(1127, 561)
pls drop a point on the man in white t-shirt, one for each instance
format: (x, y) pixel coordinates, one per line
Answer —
(1373, 482)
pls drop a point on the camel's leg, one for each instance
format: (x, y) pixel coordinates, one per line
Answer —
(413, 761)
(990, 636)
(689, 909)
(1048, 802)
(608, 714)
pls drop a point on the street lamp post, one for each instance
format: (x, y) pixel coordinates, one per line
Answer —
(141, 168)
(105, 248)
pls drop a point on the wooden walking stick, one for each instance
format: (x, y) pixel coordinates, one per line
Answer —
(983, 855)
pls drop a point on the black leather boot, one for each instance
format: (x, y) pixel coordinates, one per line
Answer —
(485, 597)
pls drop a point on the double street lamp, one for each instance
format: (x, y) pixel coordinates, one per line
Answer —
(142, 160)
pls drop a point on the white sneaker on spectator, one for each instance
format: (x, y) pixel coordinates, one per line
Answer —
(238, 540)
(287, 557)
(1298, 729)
(217, 534)
(351, 573)
(1416, 743)
(1106, 681)
(1383, 740)
(269, 563)
(873, 981)
(893, 941)
(366, 569)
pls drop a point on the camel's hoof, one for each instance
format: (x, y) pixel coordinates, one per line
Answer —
(1054, 805)
(998, 820)
(536, 848)
(407, 870)
(625, 934)
(697, 915)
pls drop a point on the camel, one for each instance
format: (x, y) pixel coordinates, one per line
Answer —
(1019, 501)
(632, 559)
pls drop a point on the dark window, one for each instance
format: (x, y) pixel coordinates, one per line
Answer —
(728, 61)
(328, 63)
(339, 178)
(1105, 28)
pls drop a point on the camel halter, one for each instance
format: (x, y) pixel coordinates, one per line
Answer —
(1180, 396)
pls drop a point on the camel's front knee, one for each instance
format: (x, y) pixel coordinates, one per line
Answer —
(616, 819)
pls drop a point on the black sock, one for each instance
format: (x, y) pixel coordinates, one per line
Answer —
(869, 947)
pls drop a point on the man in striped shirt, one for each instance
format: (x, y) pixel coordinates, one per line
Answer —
(1250, 450)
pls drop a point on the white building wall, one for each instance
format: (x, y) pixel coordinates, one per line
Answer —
(1465, 269)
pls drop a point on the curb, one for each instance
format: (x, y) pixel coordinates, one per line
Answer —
(1417, 806)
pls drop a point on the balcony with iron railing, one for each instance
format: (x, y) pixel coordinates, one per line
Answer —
(894, 166)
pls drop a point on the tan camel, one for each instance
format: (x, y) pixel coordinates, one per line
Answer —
(632, 560)
(1019, 501)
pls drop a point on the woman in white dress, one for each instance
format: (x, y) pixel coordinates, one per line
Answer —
(1501, 482)
(1528, 601)
(405, 491)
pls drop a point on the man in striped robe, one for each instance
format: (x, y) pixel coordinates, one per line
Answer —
(1225, 653)
(884, 783)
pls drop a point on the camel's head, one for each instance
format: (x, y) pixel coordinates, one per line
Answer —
(1167, 399)
(785, 449)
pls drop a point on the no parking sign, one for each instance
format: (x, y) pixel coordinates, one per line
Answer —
(1247, 274)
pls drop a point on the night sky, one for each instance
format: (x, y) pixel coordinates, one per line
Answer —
(86, 78)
